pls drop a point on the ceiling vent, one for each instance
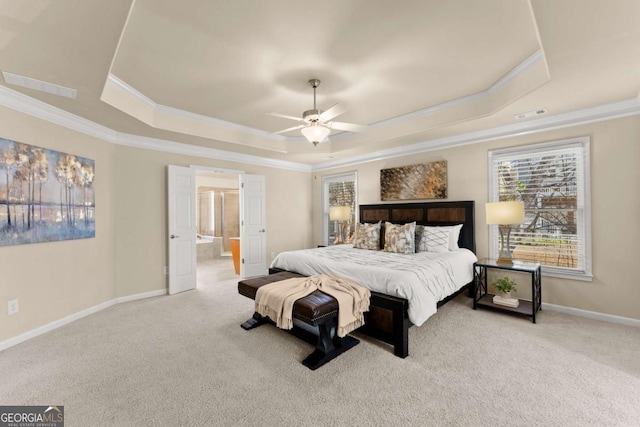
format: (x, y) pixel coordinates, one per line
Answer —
(530, 113)
(22, 81)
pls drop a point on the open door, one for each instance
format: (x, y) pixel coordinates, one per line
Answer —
(253, 232)
(182, 228)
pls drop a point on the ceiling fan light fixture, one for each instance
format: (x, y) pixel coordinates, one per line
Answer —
(317, 124)
(315, 132)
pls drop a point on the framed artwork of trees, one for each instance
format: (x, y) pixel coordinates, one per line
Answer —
(45, 195)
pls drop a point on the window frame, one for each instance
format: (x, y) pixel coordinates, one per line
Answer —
(583, 143)
(326, 180)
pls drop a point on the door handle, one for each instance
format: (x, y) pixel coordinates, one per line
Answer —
(173, 236)
(261, 231)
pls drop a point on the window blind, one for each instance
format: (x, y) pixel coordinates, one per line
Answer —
(339, 190)
(552, 181)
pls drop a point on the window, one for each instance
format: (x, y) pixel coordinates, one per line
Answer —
(552, 179)
(339, 190)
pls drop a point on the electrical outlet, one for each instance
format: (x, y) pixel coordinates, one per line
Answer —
(273, 255)
(13, 307)
(166, 269)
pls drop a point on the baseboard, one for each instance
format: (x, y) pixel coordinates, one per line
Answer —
(73, 317)
(143, 295)
(54, 325)
(592, 314)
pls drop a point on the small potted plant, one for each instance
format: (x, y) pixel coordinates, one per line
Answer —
(505, 286)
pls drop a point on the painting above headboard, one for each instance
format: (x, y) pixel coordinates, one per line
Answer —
(426, 213)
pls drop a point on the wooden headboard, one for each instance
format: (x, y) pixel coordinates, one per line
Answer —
(426, 213)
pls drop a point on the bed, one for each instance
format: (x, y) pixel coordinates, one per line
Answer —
(400, 296)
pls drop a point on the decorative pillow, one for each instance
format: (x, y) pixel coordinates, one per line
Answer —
(435, 240)
(400, 238)
(453, 235)
(367, 236)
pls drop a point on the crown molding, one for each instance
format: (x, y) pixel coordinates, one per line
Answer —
(206, 152)
(493, 89)
(20, 102)
(580, 117)
(131, 91)
(33, 107)
(172, 111)
(520, 68)
(25, 104)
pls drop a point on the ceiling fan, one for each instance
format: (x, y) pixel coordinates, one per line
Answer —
(317, 123)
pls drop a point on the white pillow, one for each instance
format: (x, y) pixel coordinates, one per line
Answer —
(435, 240)
(454, 234)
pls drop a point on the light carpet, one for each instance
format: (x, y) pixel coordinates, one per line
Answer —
(184, 360)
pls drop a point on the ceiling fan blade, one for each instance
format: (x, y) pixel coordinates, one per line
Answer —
(288, 129)
(285, 116)
(332, 112)
(351, 127)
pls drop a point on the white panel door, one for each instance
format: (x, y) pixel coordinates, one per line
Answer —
(182, 228)
(253, 232)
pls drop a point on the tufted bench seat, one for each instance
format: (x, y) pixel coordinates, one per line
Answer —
(317, 310)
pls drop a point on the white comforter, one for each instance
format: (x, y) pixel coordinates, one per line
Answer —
(423, 278)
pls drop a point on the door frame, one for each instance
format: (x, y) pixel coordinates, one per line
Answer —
(236, 172)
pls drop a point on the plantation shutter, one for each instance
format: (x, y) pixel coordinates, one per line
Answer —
(552, 181)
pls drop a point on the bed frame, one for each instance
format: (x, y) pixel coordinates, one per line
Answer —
(387, 319)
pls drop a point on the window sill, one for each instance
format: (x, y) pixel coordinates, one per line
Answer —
(584, 277)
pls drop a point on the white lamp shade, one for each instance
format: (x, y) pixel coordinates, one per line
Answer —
(505, 213)
(339, 213)
(315, 133)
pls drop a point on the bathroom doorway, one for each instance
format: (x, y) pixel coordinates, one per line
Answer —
(218, 224)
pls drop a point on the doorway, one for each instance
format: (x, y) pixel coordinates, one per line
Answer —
(218, 223)
(248, 249)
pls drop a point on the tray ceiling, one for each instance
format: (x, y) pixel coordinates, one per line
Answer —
(206, 72)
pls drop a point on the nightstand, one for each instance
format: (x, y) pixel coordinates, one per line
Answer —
(482, 298)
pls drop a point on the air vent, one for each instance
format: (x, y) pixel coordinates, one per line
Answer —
(22, 81)
(531, 113)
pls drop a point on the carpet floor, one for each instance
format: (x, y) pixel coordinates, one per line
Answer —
(183, 360)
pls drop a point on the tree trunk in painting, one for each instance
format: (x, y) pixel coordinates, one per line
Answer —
(61, 211)
(8, 200)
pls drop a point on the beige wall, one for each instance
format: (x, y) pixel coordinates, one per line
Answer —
(127, 257)
(142, 237)
(615, 213)
(56, 279)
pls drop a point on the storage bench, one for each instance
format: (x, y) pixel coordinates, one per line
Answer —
(317, 310)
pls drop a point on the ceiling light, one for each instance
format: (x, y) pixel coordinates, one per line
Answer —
(317, 124)
(315, 132)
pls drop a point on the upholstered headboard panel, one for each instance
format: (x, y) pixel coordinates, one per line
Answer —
(426, 213)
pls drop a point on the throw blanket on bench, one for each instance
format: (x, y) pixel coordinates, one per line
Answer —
(276, 300)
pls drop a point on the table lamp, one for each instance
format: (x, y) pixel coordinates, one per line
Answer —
(339, 214)
(505, 214)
